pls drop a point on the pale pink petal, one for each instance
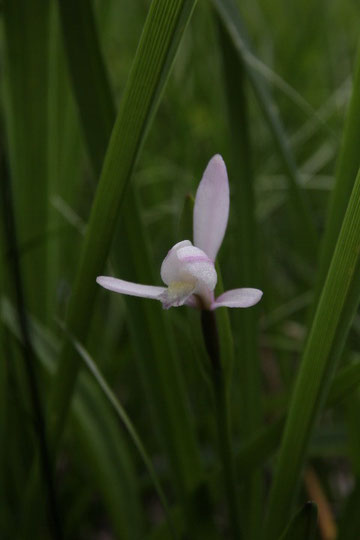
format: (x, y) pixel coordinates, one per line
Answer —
(211, 210)
(238, 298)
(195, 264)
(170, 266)
(127, 287)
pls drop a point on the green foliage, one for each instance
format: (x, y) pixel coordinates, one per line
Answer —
(110, 112)
(303, 524)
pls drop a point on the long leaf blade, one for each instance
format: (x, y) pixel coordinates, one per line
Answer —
(92, 89)
(157, 47)
(334, 314)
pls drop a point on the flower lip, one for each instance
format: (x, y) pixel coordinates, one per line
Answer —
(197, 265)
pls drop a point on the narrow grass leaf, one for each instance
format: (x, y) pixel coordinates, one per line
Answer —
(66, 163)
(158, 44)
(259, 448)
(101, 441)
(303, 525)
(302, 217)
(163, 378)
(347, 167)
(247, 374)
(338, 303)
(109, 460)
(26, 46)
(349, 524)
(28, 365)
(121, 413)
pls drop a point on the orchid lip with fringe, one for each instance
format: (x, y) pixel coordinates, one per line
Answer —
(189, 270)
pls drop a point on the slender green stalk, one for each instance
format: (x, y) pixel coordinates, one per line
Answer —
(4, 375)
(121, 413)
(337, 306)
(303, 525)
(346, 169)
(301, 216)
(26, 75)
(247, 375)
(211, 340)
(162, 32)
(163, 378)
(7, 212)
(103, 447)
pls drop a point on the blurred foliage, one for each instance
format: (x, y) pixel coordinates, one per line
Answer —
(304, 55)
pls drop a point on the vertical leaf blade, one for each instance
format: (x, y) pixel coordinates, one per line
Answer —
(334, 314)
(26, 45)
(163, 377)
(145, 84)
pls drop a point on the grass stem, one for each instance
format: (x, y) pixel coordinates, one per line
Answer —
(211, 340)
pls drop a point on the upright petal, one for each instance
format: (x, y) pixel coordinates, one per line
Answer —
(127, 287)
(238, 298)
(211, 210)
(170, 266)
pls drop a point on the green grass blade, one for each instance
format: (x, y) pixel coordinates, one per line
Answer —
(303, 525)
(247, 374)
(144, 85)
(259, 448)
(26, 46)
(152, 338)
(350, 519)
(347, 167)
(28, 363)
(88, 77)
(4, 412)
(66, 161)
(147, 319)
(101, 441)
(302, 218)
(121, 413)
(336, 308)
(110, 463)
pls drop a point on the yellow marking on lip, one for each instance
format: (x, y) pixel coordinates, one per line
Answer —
(177, 293)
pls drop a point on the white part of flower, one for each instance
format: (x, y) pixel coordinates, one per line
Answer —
(211, 209)
(176, 294)
(187, 270)
(170, 266)
(238, 298)
(127, 287)
(195, 264)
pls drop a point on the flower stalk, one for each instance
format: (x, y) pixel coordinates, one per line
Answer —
(211, 341)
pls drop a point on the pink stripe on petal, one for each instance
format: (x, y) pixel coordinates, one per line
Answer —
(127, 287)
(238, 298)
(211, 210)
(195, 258)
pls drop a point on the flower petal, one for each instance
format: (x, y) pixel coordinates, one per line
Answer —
(127, 287)
(170, 266)
(195, 264)
(238, 298)
(211, 210)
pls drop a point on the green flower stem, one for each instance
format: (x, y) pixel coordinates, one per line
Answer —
(211, 340)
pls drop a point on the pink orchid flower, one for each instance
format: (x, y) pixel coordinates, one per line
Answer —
(189, 270)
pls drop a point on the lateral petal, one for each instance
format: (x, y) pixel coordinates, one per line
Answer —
(238, 298)
(129, 288)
